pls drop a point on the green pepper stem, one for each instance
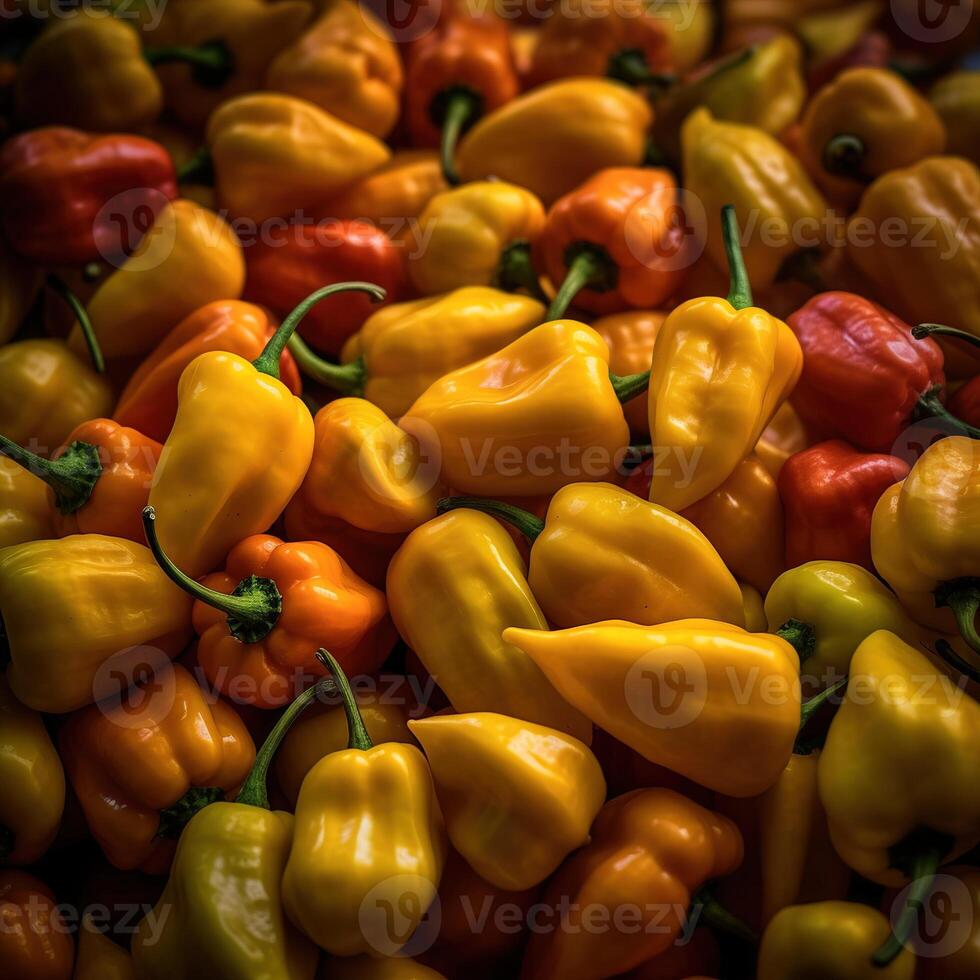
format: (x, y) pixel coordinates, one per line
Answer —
(268, 361)
(628, 386)
(358, 733)
(590, 266)
(962, 596)
(255, 791)
(516, 271)
(802, 637)
(718, 917)
(176, 817)
(348, 379)
(955, 661)
(72, 476)
(631, 67)
(809, 708)
(843, 156)
(198, 169)
(253, 608)
(739, 288)
(212, 63)
(459, 109)
(923, 330)
(81, 314)
(929, 406)
(524, 521)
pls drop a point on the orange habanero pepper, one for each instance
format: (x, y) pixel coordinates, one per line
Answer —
(35, 942)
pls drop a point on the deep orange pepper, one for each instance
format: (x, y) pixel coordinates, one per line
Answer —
(35, 943)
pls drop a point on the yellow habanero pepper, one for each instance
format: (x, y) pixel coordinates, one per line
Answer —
(479, 234)
(517, 797)
(782, 437)
(404, 348)
(275, 155)
(862, 124)
(924, 540)
(828, 939)
(456, 584)
(931, 272)
(187, 259)
(347, 64)
(753, 608)
(71, 604)
(33, 781)
(99, 958)
(541, 413)
(368, 839)
(240, 425)
(745, 166)
(25, 513)
(956, 97)
(704, 699)
(604, 553)
(689, 30)
(721, 368)
(554, 137)
(901, 722)
(221, 912)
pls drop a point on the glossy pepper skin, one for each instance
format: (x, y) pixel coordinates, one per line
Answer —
(34, 783)
(554, 137)
(956, 97)
(863, 372)
(829, 939)
(721, 368)
(365, 471)
(346, 64)
(55, 181)
(141, 766)
(477, 235)
(274, 155)
(35, 941)
(618, 233)
(616, 674)
(653, 565)
(71, 604)
(45, 392)
(862, 124)
(517, 797)
(368, 830)
(931, 275)
(137, 305)
(456, 583)
(650, 851)
(25, 514)
(149, 400)
(500, 424)
(55, 84)
(728, 163)
(922, 538)
(830, 491)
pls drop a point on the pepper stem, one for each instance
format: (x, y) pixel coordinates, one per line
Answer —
(962, 596)
(212, 63)
(843, 156)
(929, 405)
(81, 314)
(923, 330)
(955, 661)
(268, 361)
(516, 271)
(739, 288)
(176, 817)
(358, 738)
(255, 791)
(711, 911)
(631, 67)
(456, 111)
(348, 379)
(627, 386)
(809, 708)
(72, 476)
(802, 637)
(253, 608)
(588, 266)
(198, 169)
(524, 521)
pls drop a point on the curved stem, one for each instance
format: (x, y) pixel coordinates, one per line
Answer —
(922, 330)
(516, 271)
(72, 476)
(213, 63)
(843, 156)
(628, 386)
(524, 521)
(712, 912)
(176, 817)
(348, 379)
(254, 791)
(458, 110)
(254, 607)
(358, 733)
(962, 596)
(198, 169)
(808, 708)
(739, 288)
(81, 315)
(802, 637)
(588, 266)
(929, 406)
(955, 661)
(268, 361)
(631, 67)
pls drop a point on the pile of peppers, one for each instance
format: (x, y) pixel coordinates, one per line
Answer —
(489, 490)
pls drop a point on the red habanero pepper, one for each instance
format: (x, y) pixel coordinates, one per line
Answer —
(965, 402)
(282, 270)
(614, 243)
(70, 197)
(864, 374)
(460, 70)
(829, 492)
